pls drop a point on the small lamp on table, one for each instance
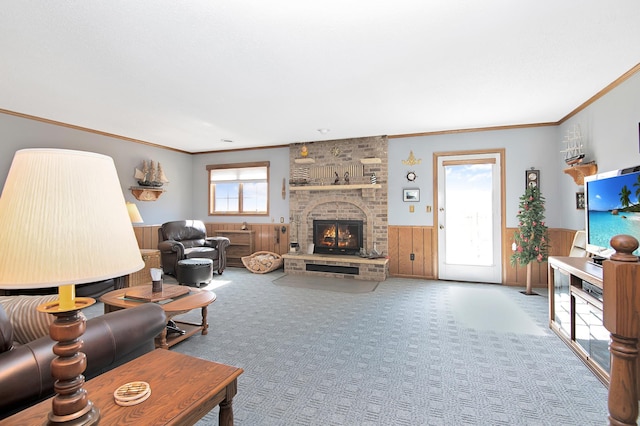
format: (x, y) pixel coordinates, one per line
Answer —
(64, 221)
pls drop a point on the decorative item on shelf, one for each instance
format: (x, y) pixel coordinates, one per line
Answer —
(346, 178)
(304, 151)
(374, 178)
(300, 176)
(412, 160)
(150, 175)
(573, 150)
(411, 176)
(41, 194)
(244, 226)
(531, 178)
(336, 181)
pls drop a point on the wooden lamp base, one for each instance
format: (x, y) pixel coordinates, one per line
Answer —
(70, 405)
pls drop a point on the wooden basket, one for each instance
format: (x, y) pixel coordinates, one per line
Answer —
(262, 262)
(143, 276)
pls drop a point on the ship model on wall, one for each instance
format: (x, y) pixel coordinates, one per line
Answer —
(150, 175)
(573, 147)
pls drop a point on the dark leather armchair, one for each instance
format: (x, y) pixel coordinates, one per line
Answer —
(184, 239)
(109, 340)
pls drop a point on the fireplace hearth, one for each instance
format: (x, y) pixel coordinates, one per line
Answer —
(337, 236)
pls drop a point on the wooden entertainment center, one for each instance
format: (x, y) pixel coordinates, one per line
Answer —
(576, 311)
(584, 299)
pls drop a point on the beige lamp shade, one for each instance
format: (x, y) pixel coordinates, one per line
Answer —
(63, 220)
(134, 213)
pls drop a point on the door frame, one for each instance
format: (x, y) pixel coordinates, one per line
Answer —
(503, 209)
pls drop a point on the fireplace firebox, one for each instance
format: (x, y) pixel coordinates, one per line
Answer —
(337, 236)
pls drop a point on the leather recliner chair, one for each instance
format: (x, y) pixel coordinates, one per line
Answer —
(187, 239)
(109, 341)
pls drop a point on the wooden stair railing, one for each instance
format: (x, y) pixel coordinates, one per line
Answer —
(621, 282)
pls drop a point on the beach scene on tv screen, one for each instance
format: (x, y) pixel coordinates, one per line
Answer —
(613, 208)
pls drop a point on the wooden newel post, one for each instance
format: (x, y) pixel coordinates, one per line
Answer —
(621, 282)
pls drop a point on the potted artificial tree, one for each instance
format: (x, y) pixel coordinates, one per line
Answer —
(531, 244)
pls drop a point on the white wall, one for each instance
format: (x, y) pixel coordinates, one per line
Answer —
(278, 170)
(524, 148)
(176, 203)
(610, 127)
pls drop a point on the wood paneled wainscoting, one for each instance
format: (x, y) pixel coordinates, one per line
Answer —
(268, 237)
(422, 243)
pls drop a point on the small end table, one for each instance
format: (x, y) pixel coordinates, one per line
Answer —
(125, 298)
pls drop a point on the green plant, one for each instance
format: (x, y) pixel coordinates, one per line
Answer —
(531, 238)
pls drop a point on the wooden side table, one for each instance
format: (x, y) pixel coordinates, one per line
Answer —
(151, 259)
(241, 244)
(183, 390)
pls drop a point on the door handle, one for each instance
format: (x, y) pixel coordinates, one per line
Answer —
(441, 226)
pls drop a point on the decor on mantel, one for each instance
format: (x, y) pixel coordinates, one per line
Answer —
(412, 160)
(530, 241)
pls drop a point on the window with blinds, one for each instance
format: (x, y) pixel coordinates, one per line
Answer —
(239, 189)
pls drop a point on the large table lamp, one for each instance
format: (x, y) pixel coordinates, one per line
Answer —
(64, 221)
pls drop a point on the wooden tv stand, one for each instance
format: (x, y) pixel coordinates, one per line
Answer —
(576, 312)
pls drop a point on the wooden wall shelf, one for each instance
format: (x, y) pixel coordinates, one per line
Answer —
(333, 187)
(370, 160)
(579, 171)
(143, 193)
(304, 161)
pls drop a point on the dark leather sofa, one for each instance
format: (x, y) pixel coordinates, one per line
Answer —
(187, 239)
(94, 290)
(109, 340)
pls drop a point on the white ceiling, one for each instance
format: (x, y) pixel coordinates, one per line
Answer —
(188, 74)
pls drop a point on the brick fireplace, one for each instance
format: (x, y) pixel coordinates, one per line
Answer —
(314, 195)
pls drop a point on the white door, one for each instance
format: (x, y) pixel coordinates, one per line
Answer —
(469, 218)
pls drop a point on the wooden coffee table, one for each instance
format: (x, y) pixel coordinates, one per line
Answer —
(183, 390)
(195, 298)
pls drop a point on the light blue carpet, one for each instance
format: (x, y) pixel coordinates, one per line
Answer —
(413, 352)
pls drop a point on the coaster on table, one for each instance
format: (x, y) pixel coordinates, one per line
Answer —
(132, 393)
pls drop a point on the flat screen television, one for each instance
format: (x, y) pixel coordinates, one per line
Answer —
(612, 207)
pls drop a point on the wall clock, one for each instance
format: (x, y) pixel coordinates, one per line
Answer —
(532, 178)
(411, 176)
